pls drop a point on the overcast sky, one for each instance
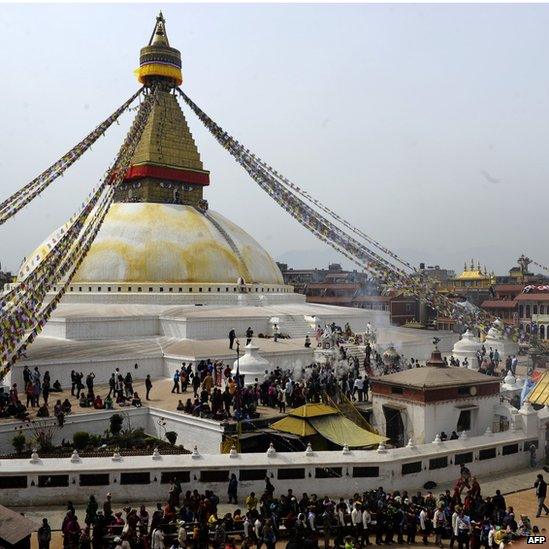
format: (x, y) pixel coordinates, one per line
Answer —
(427, 126)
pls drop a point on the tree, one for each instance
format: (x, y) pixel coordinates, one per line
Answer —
(18, 442)
(116, 422)
(171, 437)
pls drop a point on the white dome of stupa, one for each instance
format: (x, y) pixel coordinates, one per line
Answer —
(169, 243)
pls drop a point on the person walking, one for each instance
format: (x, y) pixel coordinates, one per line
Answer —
(175, 388)
(44, 535)
(232, 337)
(112, 385)
(148, 386)
(249, 335)
(541, 493)
(232, 490)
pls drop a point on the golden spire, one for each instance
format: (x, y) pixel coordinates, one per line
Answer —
(159, 36)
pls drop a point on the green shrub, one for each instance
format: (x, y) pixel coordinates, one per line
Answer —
(18, 442)
(80, 440)
(116, 424)
(171, 437)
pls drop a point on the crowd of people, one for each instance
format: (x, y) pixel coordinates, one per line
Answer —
(461, 518)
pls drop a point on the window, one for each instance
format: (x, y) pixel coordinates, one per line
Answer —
(328, 472)
(509, 449)
(487, 453)
(89, 289)
(95, 480)
(13, 482)
(199, 289)
(161, 289)
(209, 289)
(521, 311)
(409, 468)
(135, 478)
(119, 289)
(361, 472)
(108, 288)
(139, 289)
(438, 463)
(461, 459)
(150, 289)
(181, 476)
(214, 476)
(53, 481)
(170, 289)
(534, 309)
(527, 311)
(542, 309)
(130, 289)
(72, 288)
(464, 421)
(252, 474)
(397, 390)
(98, 288)
(291, 473)
(464, 391)
(542, 332)
(190, 289)
(529, 443)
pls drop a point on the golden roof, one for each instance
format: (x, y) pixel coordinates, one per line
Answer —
(477, 274)
(313, 410)
(294, 425)
(540, 392)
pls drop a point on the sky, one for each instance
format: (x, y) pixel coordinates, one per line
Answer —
(427, 126)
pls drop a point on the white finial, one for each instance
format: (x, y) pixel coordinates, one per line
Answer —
(309, 450)
(116, 456)
(271, 450)
(346, 449)
(35, 458)
(195, 453)
(437, 440)
(488, 432)
(527, 408)
(410, 443)
(463, 435)
(75, 458)
(381, 449)
(233, 452)
(156, 454)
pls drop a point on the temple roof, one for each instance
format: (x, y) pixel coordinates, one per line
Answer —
(429, 377)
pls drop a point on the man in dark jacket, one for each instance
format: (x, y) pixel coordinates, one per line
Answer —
(541, 492)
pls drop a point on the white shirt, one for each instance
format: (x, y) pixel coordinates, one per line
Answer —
(356, 517)
(422, 517)
(366, 519)
(257, 528)
(311, 521)
(359, 384)
(157, 540)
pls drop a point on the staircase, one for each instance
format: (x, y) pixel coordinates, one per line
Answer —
(353, 350)
(294, 325)
(348, 409)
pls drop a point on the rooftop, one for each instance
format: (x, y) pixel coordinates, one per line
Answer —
(436, 377)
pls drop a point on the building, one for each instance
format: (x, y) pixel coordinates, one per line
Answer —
(5, 277)
(420, 403)
(474, 284)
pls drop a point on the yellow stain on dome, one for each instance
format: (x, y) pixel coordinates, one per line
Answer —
(170, 243)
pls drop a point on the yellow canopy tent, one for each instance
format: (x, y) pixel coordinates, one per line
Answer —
(328, 422)
(295, 426)
(313, 410)
(341, 430)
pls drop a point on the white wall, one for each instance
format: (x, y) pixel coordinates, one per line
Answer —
(422, 422)
(191, 430)
(390, 475)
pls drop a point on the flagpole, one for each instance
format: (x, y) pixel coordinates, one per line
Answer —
(238, 395)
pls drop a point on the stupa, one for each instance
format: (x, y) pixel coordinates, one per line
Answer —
(466, 348)
(167, 277)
